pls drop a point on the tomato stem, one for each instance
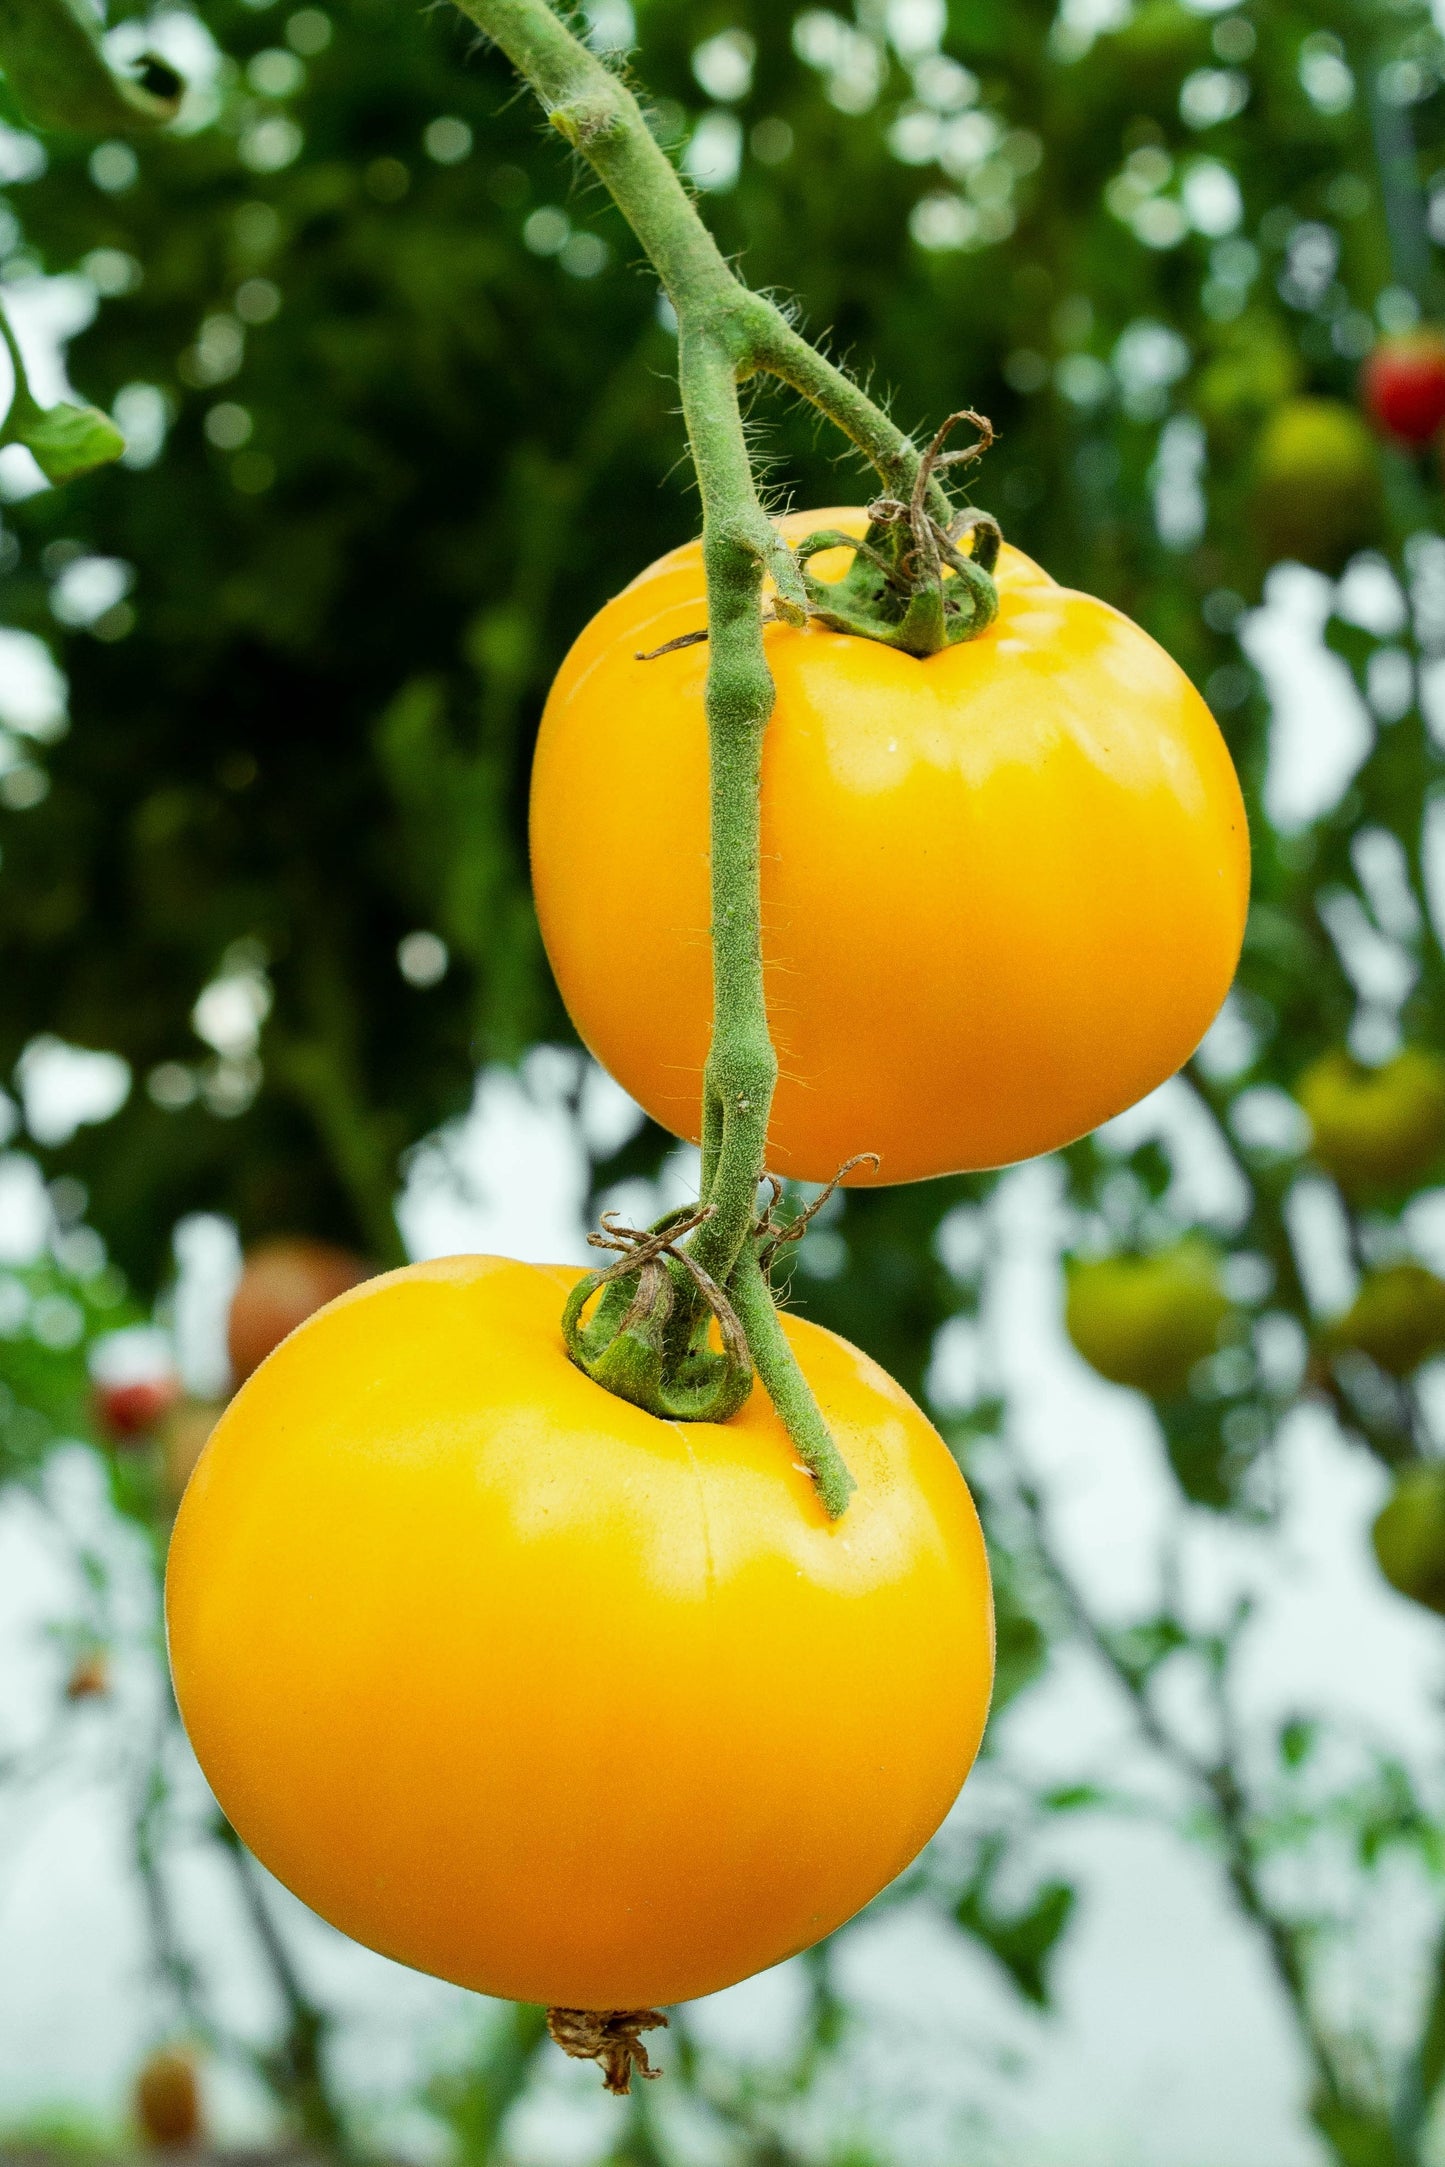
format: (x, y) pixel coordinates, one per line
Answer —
(599, 116)
(896, 592)
(787, 1387)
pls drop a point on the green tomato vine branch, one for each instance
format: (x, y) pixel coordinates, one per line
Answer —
(920, 580)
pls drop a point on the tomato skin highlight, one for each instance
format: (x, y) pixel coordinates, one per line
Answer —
(521, 1686)
(1003, 889)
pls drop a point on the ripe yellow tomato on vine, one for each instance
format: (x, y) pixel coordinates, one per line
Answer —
(525, 1687)
(1003, 888)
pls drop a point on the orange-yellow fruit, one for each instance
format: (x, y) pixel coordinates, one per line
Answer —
(1003, 889)
(283, 1283)
(525, 1687)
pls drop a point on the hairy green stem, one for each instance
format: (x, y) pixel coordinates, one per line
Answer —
(726, 335)
(787, 1387)
(784, 354)
(601, 119)
(741, 1065)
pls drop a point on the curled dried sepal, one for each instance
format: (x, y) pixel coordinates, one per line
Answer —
(609, 2037)
(897, 589)
(648, 1338)
(772, 1234)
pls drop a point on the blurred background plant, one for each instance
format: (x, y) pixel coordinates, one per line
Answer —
(399, 415)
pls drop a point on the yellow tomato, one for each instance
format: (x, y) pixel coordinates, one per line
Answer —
(1003, 889)
(525, 1687)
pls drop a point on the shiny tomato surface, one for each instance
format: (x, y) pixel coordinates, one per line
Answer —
(527, 1688)
(1003, 889)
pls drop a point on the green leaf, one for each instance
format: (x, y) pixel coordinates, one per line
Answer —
(1023, 1941)
(59, 75)
(1075, 1798)
(68, 441)
(1296, 1741)
(1357, 2136)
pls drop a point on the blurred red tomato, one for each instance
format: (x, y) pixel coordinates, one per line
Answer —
(90, 1676)
(128, 1413)
(1403, 385)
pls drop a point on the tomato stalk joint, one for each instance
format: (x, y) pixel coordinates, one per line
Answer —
(645, 1344)
(915, 582)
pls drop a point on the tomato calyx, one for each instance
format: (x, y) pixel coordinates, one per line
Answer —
(609, 2037)
(915, 582)
(648, 1338)
(897, 590)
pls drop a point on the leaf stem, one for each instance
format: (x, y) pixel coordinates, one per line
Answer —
(23, 402)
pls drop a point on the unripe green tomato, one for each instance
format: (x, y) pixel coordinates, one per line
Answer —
(1253, 370)
(1146, 1321)
(1397, 1318)
(1376, 1128)
(1318, 493)
(1159, 44)
(1409, 1537)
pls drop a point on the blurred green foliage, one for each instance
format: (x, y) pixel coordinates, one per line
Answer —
(401, 415)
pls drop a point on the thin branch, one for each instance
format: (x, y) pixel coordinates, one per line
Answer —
(298, 2069)
(1217, 1786)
